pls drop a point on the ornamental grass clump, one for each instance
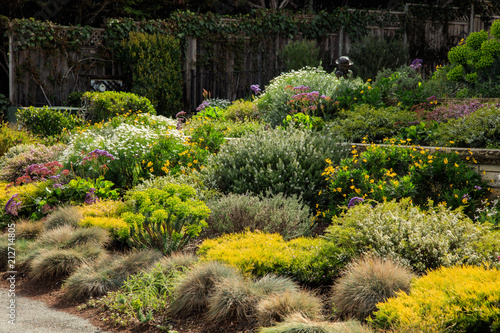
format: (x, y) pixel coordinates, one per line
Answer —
(192, 292)
(449, 299)
(414, 237)
(298, 323)
(63, 215)
(288, 161)
(98, 278)
(276, 307)
(366, 282)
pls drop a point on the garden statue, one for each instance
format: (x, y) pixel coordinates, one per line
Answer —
(343, 67)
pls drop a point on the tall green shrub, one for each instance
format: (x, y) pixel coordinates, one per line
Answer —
(300, 54)
(155, 68)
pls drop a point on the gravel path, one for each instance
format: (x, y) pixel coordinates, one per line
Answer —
(36, 317)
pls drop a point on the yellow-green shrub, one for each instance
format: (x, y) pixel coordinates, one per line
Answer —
(26, 192)
(116, 226)
(103, 208)
(308, 260)
(455, 299)
(241, 110)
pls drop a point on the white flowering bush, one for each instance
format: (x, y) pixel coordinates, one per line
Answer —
(273, 103)
(131, 141)
(421, 239)
(288, 161)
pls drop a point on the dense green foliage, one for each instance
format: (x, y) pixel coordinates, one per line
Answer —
(46, 122)
(155, 66)
(102, 106)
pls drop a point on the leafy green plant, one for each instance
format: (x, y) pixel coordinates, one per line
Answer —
(165, 219)
(365, 123)
(102, 106)
(477, 130)
(299, 54)
(280, 160)
(404, 84)
(301, 120)
(366, 282)
(241, 110)
(308, 260)
(418, 238)
(276, 213)
(467, 288)
(47, 122)
(155, 66)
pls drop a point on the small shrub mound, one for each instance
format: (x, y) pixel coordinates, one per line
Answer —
(367, 282)
(276, 307)
(63, 215)
(241, 110)
(298, 323)
(102, 106)
(11, 137)
(464, 298)
(276, 213)
(193, 291)
(313, 261)
(47, 122)
(417, 238)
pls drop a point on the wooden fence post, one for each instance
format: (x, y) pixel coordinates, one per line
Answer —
(11, 69)
(471, 20)
(190, 71)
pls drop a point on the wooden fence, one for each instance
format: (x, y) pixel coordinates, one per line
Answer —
(257, 62)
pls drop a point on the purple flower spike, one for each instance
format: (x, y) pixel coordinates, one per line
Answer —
(12, 206)
(417, 63)
(180, 114)
(255, 88)
(354, 201)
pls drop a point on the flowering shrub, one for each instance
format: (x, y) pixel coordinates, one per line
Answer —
(464, 297)
(420, 239)
(286, 161)
(386, 173)
(142, 146)
(452, 110)
(273, 103)
(309, 260)
(14, 163)
(165, 219)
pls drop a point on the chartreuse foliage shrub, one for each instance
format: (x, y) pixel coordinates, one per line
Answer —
(288, 161)
(276, 213)
(10, 137)
(308, 260)
(390, 172)
(47, 122)
(165, 219)
(477, 130)
(477, 59)
(241, 110)
(418, 238)
(371, 124)
(26, 195)
(449, 299)
(105, 214)
(155, 65)
(102, 106)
